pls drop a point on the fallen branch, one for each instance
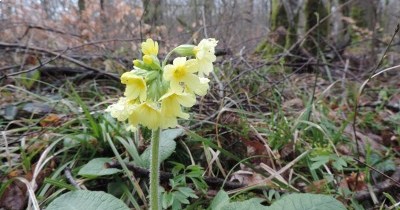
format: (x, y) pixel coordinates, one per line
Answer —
(72, 60)
(33, 68)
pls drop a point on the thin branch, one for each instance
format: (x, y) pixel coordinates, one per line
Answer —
(29, 27)
(394, 180)
(70, 178)
(33, 68)
(77, 62)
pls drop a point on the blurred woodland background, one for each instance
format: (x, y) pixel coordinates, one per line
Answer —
(286, 81)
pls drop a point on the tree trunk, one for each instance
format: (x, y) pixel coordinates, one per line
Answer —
(152, 12)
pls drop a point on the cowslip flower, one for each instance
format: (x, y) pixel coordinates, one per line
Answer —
(181, 74)
(155, 95)
(171, 104)
(205, 55)
(148, 115)
(122, 109)
(201, 89)
(135, 86)
(150, 47)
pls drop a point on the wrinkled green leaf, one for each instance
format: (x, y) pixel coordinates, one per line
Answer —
(73, 140)
(307, 201)
(167, 146)
(219, 200)
(87, 200)
(290, 202)
(253, 204)
(97, 167)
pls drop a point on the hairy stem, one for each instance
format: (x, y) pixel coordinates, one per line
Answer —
(154, 169)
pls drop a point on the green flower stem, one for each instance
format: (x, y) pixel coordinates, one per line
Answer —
(155, 169)
(167, 57)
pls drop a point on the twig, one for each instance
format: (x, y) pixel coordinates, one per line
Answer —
(71, 180)
(9, 67)
(395, 181)
(29, 27)
(378, 188)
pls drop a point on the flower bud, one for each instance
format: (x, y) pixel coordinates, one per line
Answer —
(139, 64)
(185, 50)
(147, 59)
(151, 61)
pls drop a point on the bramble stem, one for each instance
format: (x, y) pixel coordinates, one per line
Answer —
(154, 169)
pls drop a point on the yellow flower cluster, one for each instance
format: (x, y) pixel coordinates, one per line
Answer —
(155, 93)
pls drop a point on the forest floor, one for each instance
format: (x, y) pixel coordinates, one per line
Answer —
(269, 126)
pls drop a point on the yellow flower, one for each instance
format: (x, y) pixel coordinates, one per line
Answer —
(168, 122)
(181, 74)
(147, 59)
(171, 104)
(205, 55)
(148, 115)
(135, 86)
(150, 47)
(122, 109)
(202, 89)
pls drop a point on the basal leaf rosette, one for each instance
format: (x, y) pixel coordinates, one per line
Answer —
(157, 95)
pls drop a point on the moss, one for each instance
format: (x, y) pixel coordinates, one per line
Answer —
(358, 14)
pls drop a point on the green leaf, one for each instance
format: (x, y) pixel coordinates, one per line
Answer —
(87, 200)
(167, 200)
(167, 146)
(181, 197)
(253, 204)
(324, 158)
(188, 192)
(219, 200)
(97, 167)
(307, 201)
(290, 202)
(29, 78)
(319, 161)
(74, 140)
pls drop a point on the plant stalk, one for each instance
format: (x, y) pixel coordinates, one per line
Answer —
(155, 169)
